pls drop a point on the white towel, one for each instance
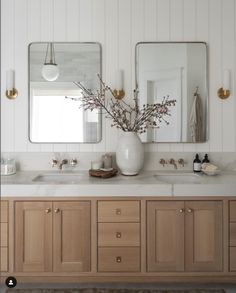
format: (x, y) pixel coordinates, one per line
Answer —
(195, 119)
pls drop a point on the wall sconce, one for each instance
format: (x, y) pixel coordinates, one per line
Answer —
(119, 92)
(50, 71)
(11, 92)
(224, 91)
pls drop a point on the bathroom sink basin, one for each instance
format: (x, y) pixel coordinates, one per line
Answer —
(60, 178)
(178, 178)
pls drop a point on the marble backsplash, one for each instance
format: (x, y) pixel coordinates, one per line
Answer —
(42, 161)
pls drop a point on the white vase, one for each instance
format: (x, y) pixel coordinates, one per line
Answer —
(129, 153)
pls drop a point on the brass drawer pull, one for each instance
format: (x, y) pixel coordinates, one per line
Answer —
(118, 259)
(118, 234)
(48, 210)
(57, 210)
(118, 212)
(190, 210)
(181, 210)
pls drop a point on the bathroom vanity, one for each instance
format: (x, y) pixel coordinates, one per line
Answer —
(138, 229)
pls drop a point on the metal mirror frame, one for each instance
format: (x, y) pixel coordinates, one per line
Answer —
(206, 78)
(29, 100)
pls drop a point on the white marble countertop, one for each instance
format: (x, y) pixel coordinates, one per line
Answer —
(144, 184)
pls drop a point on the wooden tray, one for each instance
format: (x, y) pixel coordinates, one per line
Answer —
(103, 174)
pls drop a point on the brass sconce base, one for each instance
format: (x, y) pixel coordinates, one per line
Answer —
(119, 94)
(11, 94)
(223, 94)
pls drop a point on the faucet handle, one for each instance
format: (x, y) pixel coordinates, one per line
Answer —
(181, 162)
(73, 162)
(162, 162)
(54, 162)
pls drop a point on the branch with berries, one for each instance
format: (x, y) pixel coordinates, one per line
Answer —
(123, 115)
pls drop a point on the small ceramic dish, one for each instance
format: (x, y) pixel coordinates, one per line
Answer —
(211, 173)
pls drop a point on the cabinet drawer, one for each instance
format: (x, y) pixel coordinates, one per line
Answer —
(116, 259)
(232, 259)
(233, 211)
(4, 234)
(4, 211)
(3, 259)
(118, 234)
(118, 211)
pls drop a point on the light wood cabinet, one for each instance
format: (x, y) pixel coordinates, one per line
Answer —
(232, 236)
(52, 236)
(184, 236)
(3, 236)
(119, 236)
(203, 236)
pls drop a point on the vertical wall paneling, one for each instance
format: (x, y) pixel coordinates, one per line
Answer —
(34, 35)
(176, 34)
(86, 27)
(215, 63)
(7, 62)
(189, 35)
(98, 35)
(111, 44)
(47, 36)
(163, 34)
(228, 53)
(72, 35)
(60, 35)
(21, 77)
(202, 34)
(118, 25)
(150, 34)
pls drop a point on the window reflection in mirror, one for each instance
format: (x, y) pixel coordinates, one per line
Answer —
(179, 71)
(52, 117)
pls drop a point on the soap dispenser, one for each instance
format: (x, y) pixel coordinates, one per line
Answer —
(205, 160)
(197, 164)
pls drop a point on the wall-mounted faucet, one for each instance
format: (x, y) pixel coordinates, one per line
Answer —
(55, 162)
(172, 162)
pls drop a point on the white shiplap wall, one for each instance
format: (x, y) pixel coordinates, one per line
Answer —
(118, 25)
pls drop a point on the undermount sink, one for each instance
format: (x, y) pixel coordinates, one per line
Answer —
(61, 178)
(181, 178)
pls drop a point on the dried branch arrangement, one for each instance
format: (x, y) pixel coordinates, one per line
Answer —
(124, 116)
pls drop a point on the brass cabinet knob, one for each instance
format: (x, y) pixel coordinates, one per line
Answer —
(190, 210)
(118, 212)
(57, 210)
(181, 210)
(118, 234)
(48, 210)
(118, 259)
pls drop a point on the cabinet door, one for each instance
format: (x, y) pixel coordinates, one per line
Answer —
(33, 236)
(71, 236)
(165, 236)
(203, 234)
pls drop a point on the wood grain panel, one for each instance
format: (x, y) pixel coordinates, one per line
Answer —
(71, 236)
(232, 211)
(117, 259)
(4, 234)
(118, 234)
(232, 259)
(118, 211)
(3, 211)
(232, 234)
(203, 236)
(165, 236)
(3, 259)
(33, 236)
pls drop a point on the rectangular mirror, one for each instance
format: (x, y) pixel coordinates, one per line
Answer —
(176, 70)
(53, 69)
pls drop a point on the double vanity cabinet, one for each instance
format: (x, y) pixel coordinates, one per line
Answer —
(118, 239)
